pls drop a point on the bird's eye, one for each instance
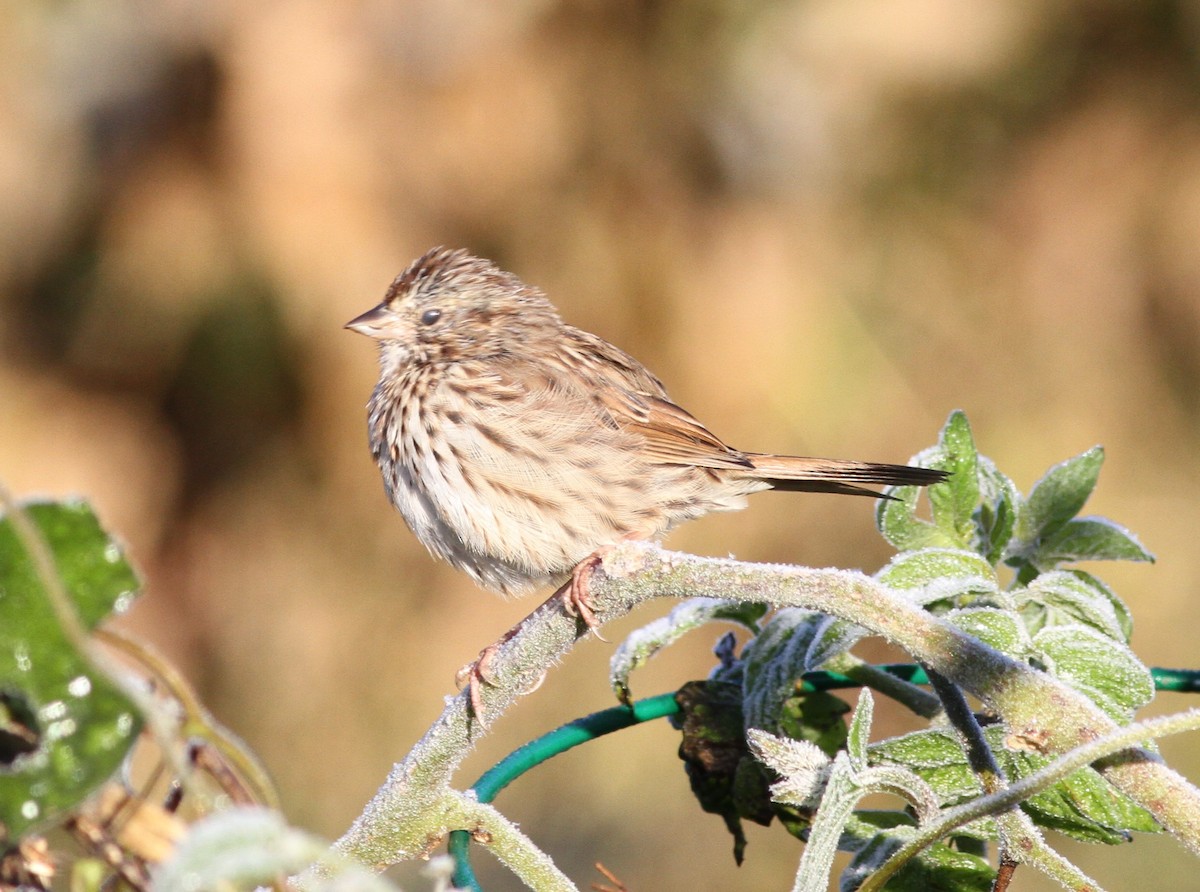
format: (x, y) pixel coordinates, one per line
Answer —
(430, 316)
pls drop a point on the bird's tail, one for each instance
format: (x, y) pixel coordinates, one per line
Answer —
(794, 473)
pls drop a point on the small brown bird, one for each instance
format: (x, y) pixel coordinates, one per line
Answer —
(516, 446)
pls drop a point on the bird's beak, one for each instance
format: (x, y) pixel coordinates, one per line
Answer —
(371, 323)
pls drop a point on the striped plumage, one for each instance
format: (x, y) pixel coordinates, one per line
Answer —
(516, 445)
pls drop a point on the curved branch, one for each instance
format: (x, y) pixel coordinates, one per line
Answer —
(405, 819)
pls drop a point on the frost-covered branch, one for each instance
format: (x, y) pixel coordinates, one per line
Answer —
(412, 811)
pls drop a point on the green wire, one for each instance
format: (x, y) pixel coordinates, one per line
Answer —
(1177, 681)
(545, 747)
(606, 721)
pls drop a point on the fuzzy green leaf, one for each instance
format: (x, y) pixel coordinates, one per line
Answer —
(937, 757)
(897, 520)
(816, 717)
(937, 868)
(1070, 597)
(773, 662)
(833, 637)
(1089, 539)
(859, 734)
(954, 500)
(998, 629)
(1060, 495)
(1083, 805)
(952, 575)
(1104, 670)
(999, 508)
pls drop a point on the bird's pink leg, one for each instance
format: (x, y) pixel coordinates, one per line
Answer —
(576, 598)
(477, 673)
(577, 594)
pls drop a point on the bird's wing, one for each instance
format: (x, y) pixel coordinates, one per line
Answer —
(637, 401)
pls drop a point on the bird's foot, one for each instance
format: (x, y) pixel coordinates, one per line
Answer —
(577, 593)
(478, 673)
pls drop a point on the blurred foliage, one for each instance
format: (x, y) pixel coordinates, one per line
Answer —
(66, 726)
(823, 224)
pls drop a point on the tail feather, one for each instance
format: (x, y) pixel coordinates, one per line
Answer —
(797, 474)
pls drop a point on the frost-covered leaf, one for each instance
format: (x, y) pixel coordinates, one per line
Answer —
(996, 516)
(859, 734)
(899, 524)
(801, 766)
(1089, 539)
(1119, 607)
(1059, 495)
(954, 500)
(247, 848)
(1104, 670)
(833, 637)
(897, 517)
(773, 662)
(952, 575)
(75, 725)
(937, 868)
(1083, 805)
(937, 757)
(640, 646)
(999, 629)
(1070, 597)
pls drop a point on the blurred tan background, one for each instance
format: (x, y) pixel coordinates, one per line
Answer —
(824, 224)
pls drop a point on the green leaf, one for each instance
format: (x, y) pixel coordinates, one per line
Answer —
(815, 716)
(954, 500)
(1088, 539)
(930, 575)
(1104, 670)
(1060, 495)
(1070, 597)
(643, 644)
(1083, 805)
(833, 637)
(859, 735)
(1120, 608)
(897, 520)
(998, 629)
(81, 726)
(936, 757)
(937, 868)
(773, 662)
(999, 507)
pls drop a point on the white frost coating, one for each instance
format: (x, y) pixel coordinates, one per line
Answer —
(244, 848)
(642, 644)
(803, 766)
